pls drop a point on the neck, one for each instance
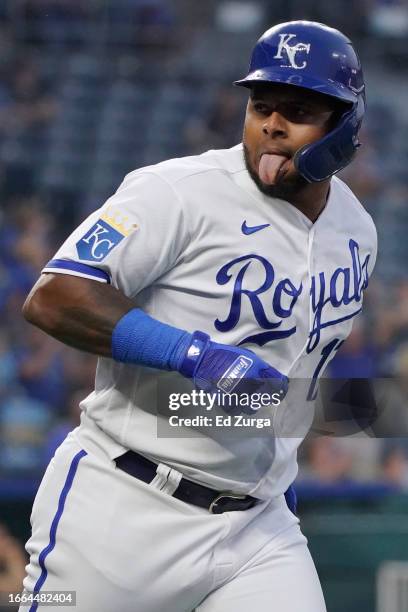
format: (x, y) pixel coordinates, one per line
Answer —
(311, 199)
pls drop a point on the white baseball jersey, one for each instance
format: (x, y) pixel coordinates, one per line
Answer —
(198, 246)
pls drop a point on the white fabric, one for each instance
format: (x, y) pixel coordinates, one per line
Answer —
(124, 545)
(166, 479)
(182, 258)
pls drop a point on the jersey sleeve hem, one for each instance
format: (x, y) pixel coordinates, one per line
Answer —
(74, 268)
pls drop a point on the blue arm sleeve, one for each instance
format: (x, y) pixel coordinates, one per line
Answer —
(140, 339)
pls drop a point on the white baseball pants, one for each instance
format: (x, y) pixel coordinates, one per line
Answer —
(123, 545)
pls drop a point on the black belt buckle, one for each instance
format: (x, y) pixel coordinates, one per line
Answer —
(227, 502)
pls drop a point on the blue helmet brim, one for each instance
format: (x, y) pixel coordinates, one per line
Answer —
(292, 77)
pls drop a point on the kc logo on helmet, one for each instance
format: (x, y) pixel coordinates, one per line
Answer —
(291, 51)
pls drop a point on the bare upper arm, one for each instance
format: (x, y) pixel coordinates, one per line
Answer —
(78, 311)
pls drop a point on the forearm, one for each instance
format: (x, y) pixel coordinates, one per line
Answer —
(97, 318)
(79, 312)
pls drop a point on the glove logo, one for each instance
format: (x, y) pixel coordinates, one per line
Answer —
(291, 51)
(234, 373)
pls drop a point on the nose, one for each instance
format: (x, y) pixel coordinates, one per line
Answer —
(275, 125)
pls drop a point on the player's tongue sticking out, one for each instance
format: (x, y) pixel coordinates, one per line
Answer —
(270, 166)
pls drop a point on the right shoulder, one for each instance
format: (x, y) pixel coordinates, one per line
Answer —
(174, 172)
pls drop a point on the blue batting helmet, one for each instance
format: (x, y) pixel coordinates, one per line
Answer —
(313, 56)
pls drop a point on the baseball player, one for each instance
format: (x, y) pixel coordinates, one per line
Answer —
(232, 271)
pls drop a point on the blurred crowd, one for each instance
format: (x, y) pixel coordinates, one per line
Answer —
(42, 381)
(12, 564)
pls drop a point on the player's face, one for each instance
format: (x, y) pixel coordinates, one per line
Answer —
(280, 119)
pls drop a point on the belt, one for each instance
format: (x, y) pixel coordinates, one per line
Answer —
(190, 492)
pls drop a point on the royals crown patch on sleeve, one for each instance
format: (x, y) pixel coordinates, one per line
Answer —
(104, 236)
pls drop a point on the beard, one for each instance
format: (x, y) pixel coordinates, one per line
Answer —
(286, 187)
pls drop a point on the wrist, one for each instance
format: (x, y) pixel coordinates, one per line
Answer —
(140, 339)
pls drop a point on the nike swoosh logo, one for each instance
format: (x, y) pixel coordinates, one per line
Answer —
(248, 230)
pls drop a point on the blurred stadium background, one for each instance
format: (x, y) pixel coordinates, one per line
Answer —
(91, 89)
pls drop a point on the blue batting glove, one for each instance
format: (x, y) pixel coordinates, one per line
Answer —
(218, 367)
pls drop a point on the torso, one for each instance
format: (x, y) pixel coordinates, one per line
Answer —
(253, 272)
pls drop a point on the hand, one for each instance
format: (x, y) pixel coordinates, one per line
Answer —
(229, 369)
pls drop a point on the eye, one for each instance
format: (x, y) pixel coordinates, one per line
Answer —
(297, 112)
(260, 107)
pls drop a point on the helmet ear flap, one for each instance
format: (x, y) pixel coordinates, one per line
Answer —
(320, 160)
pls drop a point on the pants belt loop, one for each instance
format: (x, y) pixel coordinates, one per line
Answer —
(166, 479)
